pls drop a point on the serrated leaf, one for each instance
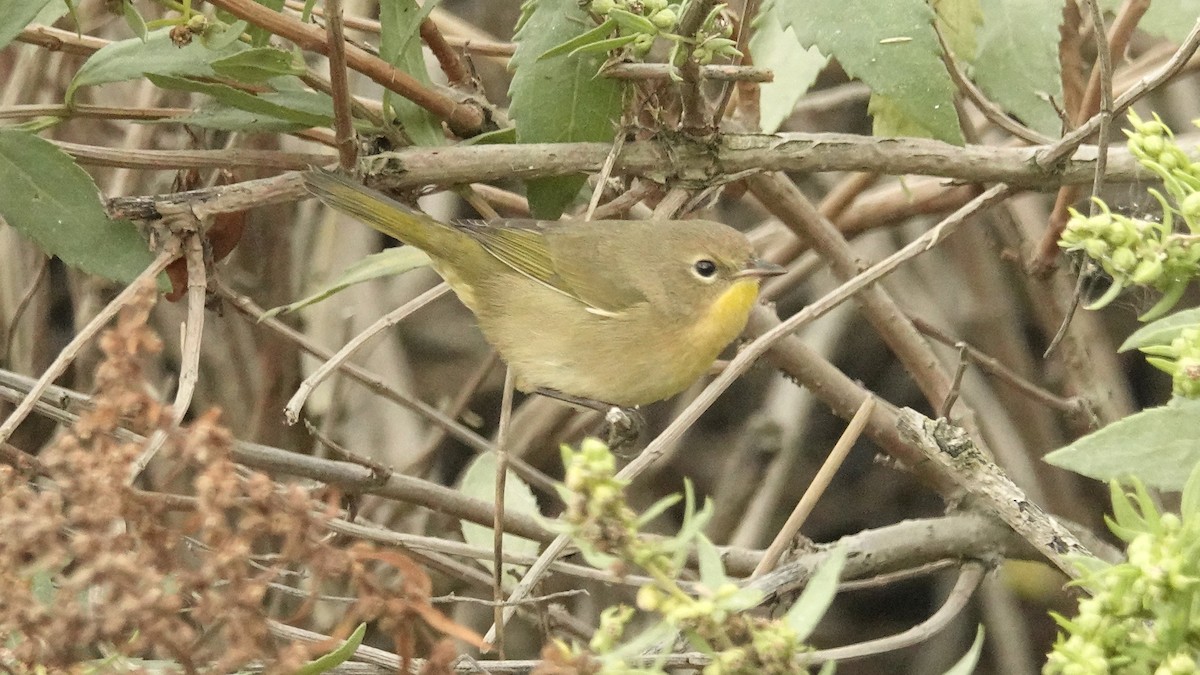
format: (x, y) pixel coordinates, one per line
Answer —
(1017, 62)
(336, 657)
(890, 46)
(479, 481)
(958, 21)
(49, 199)
(241, 99)
(1172, 19)
(132, 59)
(712, 570)
(400, 45)
(795, 67)
(966, 665)
(806, 613)
(396, 260)
(257, 65)
(1159, 446)
(889, 119)
(15, 15)
(560, 99)
(1163, 331)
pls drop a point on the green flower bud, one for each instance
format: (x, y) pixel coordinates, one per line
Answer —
(665, 19)
(649, 598)
(642, 44)
(1152, 145)
(601, 7)
(1096, 248)
(1190, 206)
(1147, 272)
(654, 5)
(1124, 259)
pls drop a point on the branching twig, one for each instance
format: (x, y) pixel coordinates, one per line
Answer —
(949, 447)
(85, 335)
(10, 336)
(292, 411)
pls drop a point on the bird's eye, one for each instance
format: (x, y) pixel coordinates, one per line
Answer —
(705, 268)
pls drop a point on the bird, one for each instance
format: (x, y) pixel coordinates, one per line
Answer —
(600, 312)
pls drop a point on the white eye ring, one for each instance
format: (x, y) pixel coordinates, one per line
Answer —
(705, 269)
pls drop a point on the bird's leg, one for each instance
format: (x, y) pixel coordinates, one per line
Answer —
(623, 426)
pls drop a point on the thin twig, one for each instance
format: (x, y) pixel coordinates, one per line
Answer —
(10, 337)
(189, 350)
(745, 31)
(816, 488)
(662, 71)
(85, 335)
(343, 124)
(956, 383)
(292, 411)
(991, 365)
(969, 578)
(255, 314)
(605, 172)
(502, 436)
(455, 410)
(451, 65)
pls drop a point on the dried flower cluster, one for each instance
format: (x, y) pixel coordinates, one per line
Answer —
(92, 567)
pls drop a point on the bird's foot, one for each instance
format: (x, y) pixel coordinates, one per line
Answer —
(622, 427)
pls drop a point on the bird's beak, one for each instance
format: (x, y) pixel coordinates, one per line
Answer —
(758, 267)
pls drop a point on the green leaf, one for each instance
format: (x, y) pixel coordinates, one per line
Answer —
(51, 200)
(1160, 446)
(889, 119)
(479, 481)
(241, 99)
(257, 65)
(795, 67)
(134, 19)
(712, 570)
(1171, 19)
(594, 35)
(212, 114)
(396, 260)
(966, 665)
(132, 59)
(890, 46)
(959, 21)
(1190, 506)
(812, 604)
(15, 15)
(400, 45)
(336, 657)
(1163, 331)
(1017, 63)
(219, 37)
(259, 36)
(560, 99)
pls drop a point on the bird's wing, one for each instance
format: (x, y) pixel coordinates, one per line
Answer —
(525, 249)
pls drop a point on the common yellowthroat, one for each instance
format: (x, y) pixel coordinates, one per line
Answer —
(623, 312)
